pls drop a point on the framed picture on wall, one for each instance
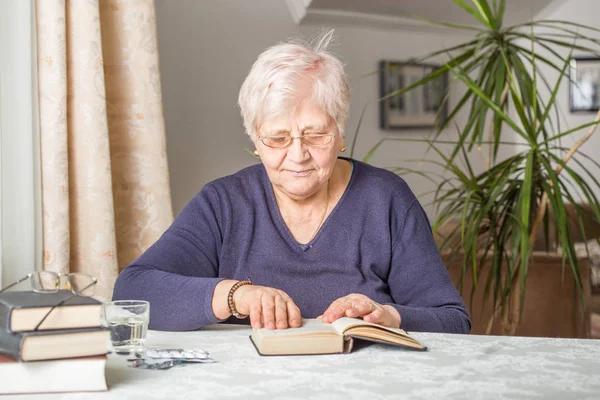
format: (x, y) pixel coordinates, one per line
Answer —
(417, 108)
(584, 84)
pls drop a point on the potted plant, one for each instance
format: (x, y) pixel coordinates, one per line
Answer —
(499, 211)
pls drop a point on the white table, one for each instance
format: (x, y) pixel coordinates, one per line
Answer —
(455, 367)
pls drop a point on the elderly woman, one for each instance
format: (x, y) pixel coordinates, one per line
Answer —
(303, 234)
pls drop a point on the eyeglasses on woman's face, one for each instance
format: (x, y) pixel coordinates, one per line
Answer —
(282, 141)
(51, 282)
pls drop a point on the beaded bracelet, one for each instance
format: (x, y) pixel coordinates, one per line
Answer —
(235, 287)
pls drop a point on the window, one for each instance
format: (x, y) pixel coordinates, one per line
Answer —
(20, 189)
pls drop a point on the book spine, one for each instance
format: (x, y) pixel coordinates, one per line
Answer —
(5, 316)
(10, 344)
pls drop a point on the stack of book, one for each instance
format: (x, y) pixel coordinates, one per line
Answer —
(66, 354)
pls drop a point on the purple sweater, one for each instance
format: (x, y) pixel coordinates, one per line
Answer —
(377, 241)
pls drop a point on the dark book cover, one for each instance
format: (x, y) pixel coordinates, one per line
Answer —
(11, 343)
(11, 301)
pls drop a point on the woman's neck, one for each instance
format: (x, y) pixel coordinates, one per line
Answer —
(336, 184)
(300, 209)
(305, 217)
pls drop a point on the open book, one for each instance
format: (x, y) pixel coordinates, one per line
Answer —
(318, 337)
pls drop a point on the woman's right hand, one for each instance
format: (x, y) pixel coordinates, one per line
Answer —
(267, 307)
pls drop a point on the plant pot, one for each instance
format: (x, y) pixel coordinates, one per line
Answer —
(552, 307)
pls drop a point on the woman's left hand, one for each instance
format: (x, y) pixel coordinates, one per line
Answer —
(358, 305)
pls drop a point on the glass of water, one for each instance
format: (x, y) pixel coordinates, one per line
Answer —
(128, 323)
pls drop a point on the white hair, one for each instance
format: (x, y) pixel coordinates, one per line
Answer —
(282, 74)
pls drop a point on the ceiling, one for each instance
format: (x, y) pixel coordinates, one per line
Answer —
(306, 11)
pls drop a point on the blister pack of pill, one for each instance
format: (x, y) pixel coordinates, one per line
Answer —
(194, 354)
(168, 358)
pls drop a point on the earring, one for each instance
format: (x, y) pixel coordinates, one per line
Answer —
(255, 153)
(343, 149)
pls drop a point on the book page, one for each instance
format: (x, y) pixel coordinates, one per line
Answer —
(358, 328)
(345, 323)
(309, 327)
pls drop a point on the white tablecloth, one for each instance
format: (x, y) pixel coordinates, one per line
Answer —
(455, 367)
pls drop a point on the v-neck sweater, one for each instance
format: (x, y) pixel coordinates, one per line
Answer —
(376, 241)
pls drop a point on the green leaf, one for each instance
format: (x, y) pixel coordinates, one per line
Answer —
(480, 17)
(538, 57)
(540, 42)
(534, 88)
(500, 78)
(485, 12)
(570, 131)
(446, 24)
(362, 116)
(466, 55)
(562, 224)
(555, 91)
(517, 100)
(251, 153)
(500, 14)
(563, 22)
(520, 103)
(525, 213)
(467, 81)
(581, 185)
(571, 46)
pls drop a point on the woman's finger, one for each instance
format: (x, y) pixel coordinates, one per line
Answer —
(293, 312)
(376, 317)
(334, 312)
(268, 311)
(281, 317)
(329, 310)
(361, 308)
(338, 311)
(256, 315)
(338, 308)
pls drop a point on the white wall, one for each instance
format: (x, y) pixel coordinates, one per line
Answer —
(206, 49)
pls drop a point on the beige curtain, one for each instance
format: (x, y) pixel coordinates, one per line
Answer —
(105, 188)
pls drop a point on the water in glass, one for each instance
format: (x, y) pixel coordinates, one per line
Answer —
(128, 323)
